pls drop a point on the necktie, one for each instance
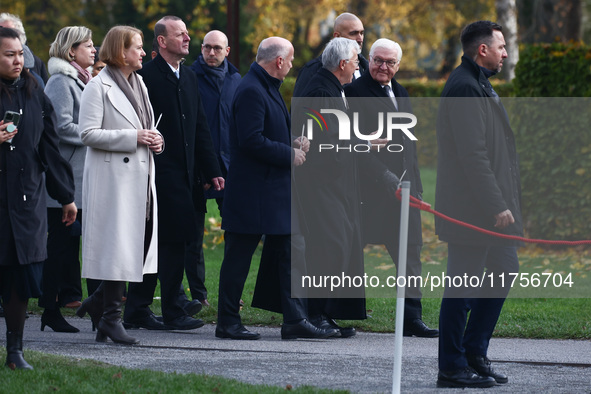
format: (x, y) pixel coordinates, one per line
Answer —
(176, 72)
(389, 92)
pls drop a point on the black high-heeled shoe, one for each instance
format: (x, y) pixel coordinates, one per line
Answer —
(54, 319)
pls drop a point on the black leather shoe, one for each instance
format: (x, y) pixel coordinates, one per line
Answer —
(325, 323)
(464, 378)
(192, 308)
(149, 322)
(305, 329)
(235, 331)
(184, 323)
(481, 364)
(418, 328)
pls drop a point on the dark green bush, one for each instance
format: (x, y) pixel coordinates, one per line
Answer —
(553, 139)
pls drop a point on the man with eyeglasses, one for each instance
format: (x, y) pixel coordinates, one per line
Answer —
(348, 26)
(380, 210)
(218, 80)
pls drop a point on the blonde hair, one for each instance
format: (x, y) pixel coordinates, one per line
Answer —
(69, 38)
(115, 42)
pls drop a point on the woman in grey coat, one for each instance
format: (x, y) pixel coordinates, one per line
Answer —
(71, 54)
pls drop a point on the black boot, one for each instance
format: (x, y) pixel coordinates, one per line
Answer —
(93, 305)
(54, 319)
(110, 324)
(14, 351)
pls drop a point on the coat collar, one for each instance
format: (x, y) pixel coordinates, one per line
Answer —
(167, 71)
(56, 65)
(118, 99)
(198, 68)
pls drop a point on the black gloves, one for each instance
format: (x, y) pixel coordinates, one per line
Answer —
(390, 182)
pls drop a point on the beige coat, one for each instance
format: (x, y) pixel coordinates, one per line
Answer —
(115, 187)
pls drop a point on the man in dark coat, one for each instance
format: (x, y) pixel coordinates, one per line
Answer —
(381, 212)
(328, 189)
(218, 80)
(188, 154)
(477, 182)
(257, 199)
(348, 26)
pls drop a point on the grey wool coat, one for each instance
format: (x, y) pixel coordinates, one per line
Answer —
(64, 89)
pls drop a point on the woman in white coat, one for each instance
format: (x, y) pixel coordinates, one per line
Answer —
(119, 229)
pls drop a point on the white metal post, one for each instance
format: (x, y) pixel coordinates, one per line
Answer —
(400, 293)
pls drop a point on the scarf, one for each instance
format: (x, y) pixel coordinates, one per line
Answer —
(216, 75)
(132, 88)
(83, 75)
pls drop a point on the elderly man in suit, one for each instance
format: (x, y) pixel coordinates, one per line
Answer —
(346, 25)
(257, 199)
(328, 191)
(189, 153)
(381, 212)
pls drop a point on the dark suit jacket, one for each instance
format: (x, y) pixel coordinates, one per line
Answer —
(258, 189)
(188, 149)
(310, 69)
(217, 105)
(477, 164)
(380, 213)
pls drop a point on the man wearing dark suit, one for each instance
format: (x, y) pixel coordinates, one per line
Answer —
(172, 87)
(257, 199)
(328, 189)
(381, 213)
(218, 80)
(348, 26)
(478, 183)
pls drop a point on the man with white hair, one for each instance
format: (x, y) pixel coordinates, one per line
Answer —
(381, 211)
(258, 197)
(328, 191)
(346, 25)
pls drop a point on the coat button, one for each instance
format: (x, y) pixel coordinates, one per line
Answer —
(126, 160)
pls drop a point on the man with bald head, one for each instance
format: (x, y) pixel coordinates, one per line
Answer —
(257, 200)
(218, 80)
(346, 25)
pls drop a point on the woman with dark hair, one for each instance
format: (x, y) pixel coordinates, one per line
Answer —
(30, 162)
(71, 54)
(119, 230)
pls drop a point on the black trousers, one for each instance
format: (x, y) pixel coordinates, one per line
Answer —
(413, 308)
(459, 334)
(171, 258)
(195, 263)
(61, 270)
(238, 252)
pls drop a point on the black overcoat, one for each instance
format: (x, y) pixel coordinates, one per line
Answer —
(188, 159)
(30, 165)
(329, 193)
(477, 163)
(380, 212)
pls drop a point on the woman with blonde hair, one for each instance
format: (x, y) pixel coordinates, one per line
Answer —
(71, 54)
(119, 230)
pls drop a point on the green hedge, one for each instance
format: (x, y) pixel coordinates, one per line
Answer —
(553, 139)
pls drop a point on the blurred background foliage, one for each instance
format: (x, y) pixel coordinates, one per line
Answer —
(550, 36)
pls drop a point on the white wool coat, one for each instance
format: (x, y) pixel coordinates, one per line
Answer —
(118, 174)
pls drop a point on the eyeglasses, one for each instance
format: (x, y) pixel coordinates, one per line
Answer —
(208, 48)
(390, 63)
(356, 61)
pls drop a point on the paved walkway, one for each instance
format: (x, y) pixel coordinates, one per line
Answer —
(360, 364)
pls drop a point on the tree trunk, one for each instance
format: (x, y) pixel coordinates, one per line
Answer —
(507, 17)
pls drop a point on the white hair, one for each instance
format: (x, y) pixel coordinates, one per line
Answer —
(339, 48)
(387, 44)
(17, 25)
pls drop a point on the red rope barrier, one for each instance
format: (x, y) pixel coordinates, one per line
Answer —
(423, 206)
